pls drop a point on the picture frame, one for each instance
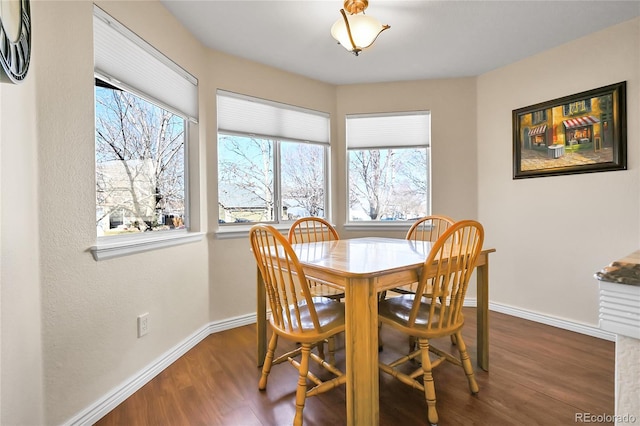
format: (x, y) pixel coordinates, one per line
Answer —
(581, 133)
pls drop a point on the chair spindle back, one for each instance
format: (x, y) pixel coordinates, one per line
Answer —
(292, 308)
(312, 229)
(453, 256)
(429, 228)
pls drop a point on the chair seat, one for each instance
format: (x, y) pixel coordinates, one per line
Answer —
(396, 310)
(330, 316)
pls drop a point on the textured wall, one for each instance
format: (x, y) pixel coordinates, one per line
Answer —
(452, 103)
(21, 350)
(89, 308)
(84, 311)
(627, 378)
(232, 281)
(553, 233)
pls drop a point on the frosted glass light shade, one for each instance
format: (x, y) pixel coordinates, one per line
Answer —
(364, 30)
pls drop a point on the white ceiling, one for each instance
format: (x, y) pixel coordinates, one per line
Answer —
(428, 39)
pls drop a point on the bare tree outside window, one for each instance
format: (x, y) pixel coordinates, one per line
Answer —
(388, 184)
(245, 179)
(257, 185)
(140, 164)
(303, 179)
(415, 171)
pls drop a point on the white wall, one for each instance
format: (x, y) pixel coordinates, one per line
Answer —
(553, 233)
(452, 103)
(232, 281)
(69, 322)
(21, 350)
(89, 308)
(453, 108)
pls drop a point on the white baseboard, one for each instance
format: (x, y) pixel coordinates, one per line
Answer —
(589, 330)
(104, 405)
(111, 400)
(581, 328)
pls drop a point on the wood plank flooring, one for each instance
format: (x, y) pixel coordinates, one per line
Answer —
(539, 375)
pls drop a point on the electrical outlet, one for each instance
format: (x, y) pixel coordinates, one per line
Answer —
(143, 324)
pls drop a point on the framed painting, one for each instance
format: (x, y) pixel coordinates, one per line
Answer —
(581, 133)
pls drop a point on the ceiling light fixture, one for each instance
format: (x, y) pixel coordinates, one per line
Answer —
(358, 31)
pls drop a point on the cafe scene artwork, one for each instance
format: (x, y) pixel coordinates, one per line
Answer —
(575, 134)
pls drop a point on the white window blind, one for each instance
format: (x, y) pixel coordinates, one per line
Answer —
(124, 59)
(392, 130)
(247, 115)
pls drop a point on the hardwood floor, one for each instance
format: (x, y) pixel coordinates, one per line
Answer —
(539, 375)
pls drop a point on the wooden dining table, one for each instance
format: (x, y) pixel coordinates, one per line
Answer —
(362, 268)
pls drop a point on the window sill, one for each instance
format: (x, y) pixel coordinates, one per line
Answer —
(233, 231)
(379, 226)
(242, 231)
(110, 247)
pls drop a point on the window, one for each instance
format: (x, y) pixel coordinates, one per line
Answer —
(144, 104)
(579, 107)
(389, 166)
(272, 161)
(539, 116)
(140, 179)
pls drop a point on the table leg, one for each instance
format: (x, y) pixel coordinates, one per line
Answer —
(261, 319)
(482, 312)
(361, 346)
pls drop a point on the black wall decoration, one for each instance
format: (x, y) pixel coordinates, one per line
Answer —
(15, 40)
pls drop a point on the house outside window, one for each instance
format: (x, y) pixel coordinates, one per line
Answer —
(389, 166)
(140, 164)
(272, 161)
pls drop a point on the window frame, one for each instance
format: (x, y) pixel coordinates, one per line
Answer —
(277, 178)
(235, 230)
(394, 225)
(107, 247)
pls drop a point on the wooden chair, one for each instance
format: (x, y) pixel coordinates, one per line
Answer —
(428, 228)
(295, 314)
(439, 314)
(313, 229)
